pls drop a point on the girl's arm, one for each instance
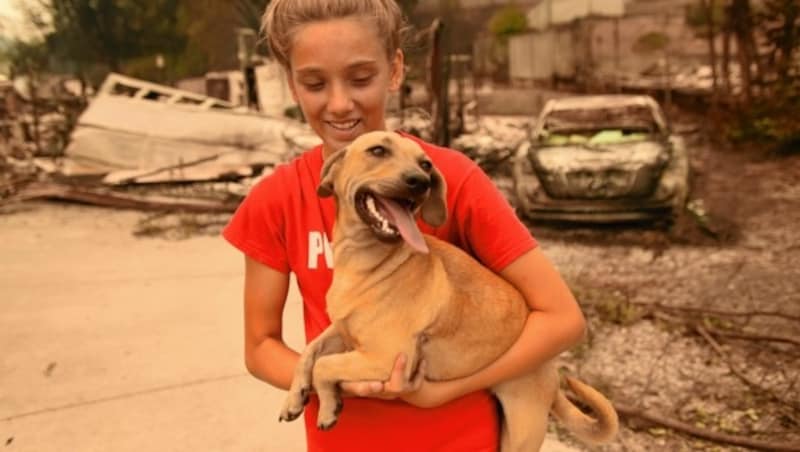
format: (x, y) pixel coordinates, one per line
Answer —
(266, 355)
(554, 324)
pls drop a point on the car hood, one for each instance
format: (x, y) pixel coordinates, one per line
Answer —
(611, 170)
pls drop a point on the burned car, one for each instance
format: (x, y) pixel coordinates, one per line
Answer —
(604, 158)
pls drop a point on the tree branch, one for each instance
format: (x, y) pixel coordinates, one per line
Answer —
(629, 411)
(717, 348)
(753, 336)
(721, 312)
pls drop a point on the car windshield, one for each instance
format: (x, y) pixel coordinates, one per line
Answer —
(598, 126)
(593, 137)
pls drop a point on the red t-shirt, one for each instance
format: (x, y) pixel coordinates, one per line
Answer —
(283, 224)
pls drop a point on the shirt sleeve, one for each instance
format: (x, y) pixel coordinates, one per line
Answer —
(257, 227)
(489, 224)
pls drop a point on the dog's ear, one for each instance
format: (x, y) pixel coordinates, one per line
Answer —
(329, 170)
(434, 209)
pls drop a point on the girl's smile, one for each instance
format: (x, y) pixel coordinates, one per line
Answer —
(340, 75)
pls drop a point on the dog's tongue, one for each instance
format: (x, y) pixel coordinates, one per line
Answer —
(404, 221)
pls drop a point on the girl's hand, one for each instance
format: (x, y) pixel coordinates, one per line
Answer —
(396, 386)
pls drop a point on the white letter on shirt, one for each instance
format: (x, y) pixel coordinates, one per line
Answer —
(315, 248)
(328, 252)
(318, 244)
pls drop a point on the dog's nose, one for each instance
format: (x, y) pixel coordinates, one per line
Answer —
(417, 183)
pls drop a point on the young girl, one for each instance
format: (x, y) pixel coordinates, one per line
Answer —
(343, 58)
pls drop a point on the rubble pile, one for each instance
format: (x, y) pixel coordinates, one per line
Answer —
(492, 141)
(14, 171)
(31, 128)
(141, 145)
(147, 146)
(413, 120)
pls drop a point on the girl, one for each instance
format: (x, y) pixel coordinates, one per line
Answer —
(343, 58)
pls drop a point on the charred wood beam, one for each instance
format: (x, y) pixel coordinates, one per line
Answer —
(110, 198)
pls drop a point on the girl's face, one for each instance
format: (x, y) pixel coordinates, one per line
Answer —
(341, 78)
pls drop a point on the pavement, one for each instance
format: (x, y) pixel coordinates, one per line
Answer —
(116, 343)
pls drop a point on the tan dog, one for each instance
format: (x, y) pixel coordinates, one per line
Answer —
(395, 290)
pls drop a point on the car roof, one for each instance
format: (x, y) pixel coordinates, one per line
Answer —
(603, 101)
(599, 101)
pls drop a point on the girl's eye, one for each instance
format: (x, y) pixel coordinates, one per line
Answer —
(313, 86)
(378, 151)
(361, 81)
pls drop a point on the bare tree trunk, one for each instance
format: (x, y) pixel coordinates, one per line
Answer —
(789, 42)
(742, 29)
(443, 117)
(709, 6)
(744, 70)
(433, 63)
(726, 55)
(438, 83)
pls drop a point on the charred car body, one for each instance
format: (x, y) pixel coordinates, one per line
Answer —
(601, 159)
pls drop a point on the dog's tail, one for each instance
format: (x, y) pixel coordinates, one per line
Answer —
(597, 430)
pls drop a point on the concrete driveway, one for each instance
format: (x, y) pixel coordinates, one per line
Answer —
(116, 343)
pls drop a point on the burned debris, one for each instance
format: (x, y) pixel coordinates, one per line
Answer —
(135, 139)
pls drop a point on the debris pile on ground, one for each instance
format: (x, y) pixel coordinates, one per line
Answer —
(413, 120)
(146, 146)
(16, 168)
(492, 141)
(33, 129)
(694, 337)
(136, 134)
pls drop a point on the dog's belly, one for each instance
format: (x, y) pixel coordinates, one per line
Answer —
(446, 360)
(467, 351)
(476, 328)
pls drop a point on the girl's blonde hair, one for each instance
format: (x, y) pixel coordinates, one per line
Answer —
(282, 17)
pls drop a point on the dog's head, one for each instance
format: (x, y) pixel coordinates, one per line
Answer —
(386, 179)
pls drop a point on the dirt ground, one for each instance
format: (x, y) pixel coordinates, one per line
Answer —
(662, 302)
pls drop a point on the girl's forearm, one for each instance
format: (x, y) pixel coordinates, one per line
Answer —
(272, 361)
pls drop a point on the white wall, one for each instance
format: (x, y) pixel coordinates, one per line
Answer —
(274, 95)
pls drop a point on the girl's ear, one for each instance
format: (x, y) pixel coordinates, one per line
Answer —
(398, 70)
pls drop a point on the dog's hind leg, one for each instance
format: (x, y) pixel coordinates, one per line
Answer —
(327, 342)
(330, 370)
(526, 403)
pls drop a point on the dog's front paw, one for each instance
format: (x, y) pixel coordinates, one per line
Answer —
(294, 404)
(328, 416)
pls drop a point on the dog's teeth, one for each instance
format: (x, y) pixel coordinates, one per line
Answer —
(372, 208)
(386, 227)
(374, 211)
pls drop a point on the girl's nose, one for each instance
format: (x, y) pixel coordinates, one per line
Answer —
(340, 101)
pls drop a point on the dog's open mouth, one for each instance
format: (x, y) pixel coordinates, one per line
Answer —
(391, 219)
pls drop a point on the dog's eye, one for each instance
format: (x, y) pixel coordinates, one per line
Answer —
(378, 151)
(426, 165)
